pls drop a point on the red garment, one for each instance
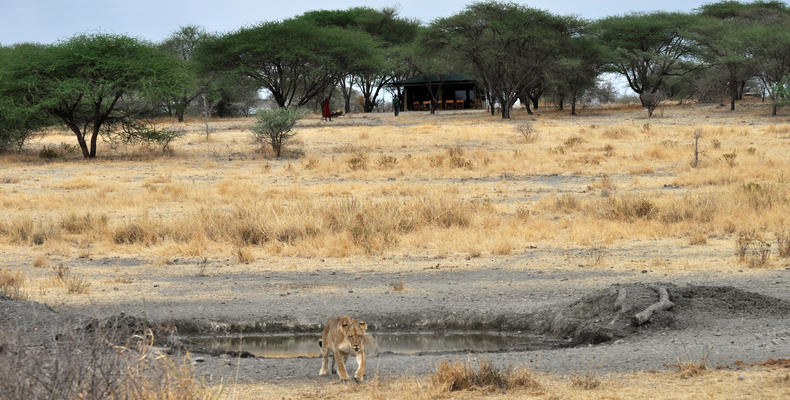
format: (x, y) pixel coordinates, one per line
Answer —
(325, 109)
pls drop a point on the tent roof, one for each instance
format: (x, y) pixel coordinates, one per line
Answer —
(447, 78)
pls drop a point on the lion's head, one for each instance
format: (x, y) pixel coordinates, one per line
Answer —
(354, 331)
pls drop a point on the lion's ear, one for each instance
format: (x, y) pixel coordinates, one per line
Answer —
(363, 325)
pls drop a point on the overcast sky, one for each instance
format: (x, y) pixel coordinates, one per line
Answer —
(47, 21)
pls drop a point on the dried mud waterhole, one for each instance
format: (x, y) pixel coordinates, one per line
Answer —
(616, 312)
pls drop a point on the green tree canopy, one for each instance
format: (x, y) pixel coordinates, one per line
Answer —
(294, 60)
(183, 44)
(503, 45)
(93, 83)
(19, 114)
(647, 48)
(390, 31)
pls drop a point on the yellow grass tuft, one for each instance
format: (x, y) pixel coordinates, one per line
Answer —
(11, 283)
(457, 376)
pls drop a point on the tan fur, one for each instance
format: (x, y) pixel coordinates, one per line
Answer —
(342, 336)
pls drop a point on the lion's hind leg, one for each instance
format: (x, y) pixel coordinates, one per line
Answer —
(324, 358)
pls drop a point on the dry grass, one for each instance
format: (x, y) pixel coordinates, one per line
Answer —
(751, 248)
(375, 185)
(588, 381)
(11, 283)
(783, 243)
(457, 376)
(62, 276)
(751, 382)
(89, 365)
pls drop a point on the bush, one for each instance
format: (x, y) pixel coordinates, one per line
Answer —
(140, 132)
(99, 362)
(751, 248)
(451, 377)
(273, 127)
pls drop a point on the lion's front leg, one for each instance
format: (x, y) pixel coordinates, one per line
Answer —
(340, 361)
(360, 374)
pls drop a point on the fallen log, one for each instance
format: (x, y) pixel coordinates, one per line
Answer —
(662, 304)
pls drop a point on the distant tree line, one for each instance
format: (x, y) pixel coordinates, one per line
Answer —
(94, 84)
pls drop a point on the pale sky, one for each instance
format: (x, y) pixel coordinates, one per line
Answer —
(48, 21)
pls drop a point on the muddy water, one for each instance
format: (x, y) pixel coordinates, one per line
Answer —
(290, 345)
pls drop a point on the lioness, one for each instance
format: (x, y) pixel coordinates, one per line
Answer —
(342, 336)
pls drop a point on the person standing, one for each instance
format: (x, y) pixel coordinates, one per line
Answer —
(396, 105)
(325, 111)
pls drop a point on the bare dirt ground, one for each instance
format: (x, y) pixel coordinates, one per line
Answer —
(522, 257)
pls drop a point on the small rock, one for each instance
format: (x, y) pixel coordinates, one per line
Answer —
(775, 342)
(351, 291)
(740, 378)
(644, 271)
(199, 359)
(156, 285)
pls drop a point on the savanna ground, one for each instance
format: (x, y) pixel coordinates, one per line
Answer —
(458, 213)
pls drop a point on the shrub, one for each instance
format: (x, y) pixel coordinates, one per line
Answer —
(358, 162)
(48, 153)
(783, 243)
(274, 127)
(456, 157)
(751, 248)
(386, 161)
(11, 284)
(527, 132)
(103, 362)
(450, 377)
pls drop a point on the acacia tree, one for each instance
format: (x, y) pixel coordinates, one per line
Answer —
(768, 43)
(429, 60)
(294, 60)
(646, 49)
(722, 45)
(94, 83)
(391, 33)
(19, 115)
(183, 43)
(504, 45)
(577, 68)
(723, 34)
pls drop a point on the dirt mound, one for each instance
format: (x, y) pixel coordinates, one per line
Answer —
(613, 313)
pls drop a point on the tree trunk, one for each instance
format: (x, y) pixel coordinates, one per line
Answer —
(368, 105)
(562, 103)
(534, 101)
(529, 110)
(573, 105)
(773, 109)
(94, 136)
(733, 93)
(81, 140)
